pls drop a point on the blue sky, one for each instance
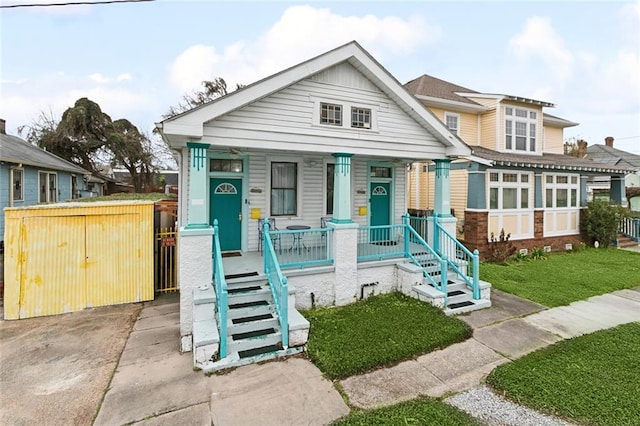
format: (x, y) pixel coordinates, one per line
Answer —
(137, 59)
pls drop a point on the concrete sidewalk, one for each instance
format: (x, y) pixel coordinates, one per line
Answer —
(511, 328)
(155, 385)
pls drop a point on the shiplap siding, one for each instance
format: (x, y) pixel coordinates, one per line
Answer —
(285, 121)
(553, 140)
(459, 182)
(467, 124)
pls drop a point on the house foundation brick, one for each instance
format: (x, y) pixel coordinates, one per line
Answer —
(476, 231)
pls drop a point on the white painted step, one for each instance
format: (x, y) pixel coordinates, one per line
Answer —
(250, 311)
(247, 327)
(254, 342)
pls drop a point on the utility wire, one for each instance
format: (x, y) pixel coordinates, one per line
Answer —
(13, 6)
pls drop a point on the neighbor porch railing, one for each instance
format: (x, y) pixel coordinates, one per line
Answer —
(277, 283)
(464, 263)
(630, 227)
(222, 303)
(303, 247)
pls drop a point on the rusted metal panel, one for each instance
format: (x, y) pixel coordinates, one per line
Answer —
(66, 257)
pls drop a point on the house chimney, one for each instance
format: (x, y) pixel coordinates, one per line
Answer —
(3, 126)
(582, 148)
(609, 141)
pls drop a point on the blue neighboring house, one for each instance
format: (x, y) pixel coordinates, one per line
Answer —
(30, 175)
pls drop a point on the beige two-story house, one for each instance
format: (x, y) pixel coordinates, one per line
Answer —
(517, 178)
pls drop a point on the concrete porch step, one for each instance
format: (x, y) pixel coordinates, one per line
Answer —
(250, 311)
(251, 326)
(467, 306)
(239, 297)
(262, 341)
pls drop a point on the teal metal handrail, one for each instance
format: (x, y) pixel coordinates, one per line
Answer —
(460, 259)
(380, 242)
(413, 242)
(277, 284)
(222, 303)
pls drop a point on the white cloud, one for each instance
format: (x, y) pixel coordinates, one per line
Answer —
(99, 78)
(124, 77)
(299, 34)
(538, 41)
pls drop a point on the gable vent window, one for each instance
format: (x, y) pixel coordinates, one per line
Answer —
(331, 114)
(360, 118)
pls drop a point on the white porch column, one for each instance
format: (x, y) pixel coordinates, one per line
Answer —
(195, 267)
(345, 255)
(342, 188)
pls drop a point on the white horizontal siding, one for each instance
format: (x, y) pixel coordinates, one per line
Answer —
(285, 121)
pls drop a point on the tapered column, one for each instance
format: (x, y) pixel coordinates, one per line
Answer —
(442, 187)
(342, 189)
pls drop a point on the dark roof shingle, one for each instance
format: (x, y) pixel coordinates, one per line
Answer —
(16, 150)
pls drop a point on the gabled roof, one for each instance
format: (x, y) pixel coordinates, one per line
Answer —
(16, 150)
(610, 155)
(545, 161)
(190, 123)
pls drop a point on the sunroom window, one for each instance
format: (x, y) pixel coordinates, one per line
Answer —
(509, 190)
(561, 191)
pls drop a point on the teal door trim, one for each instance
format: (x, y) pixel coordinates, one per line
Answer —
(391, 189)
(244, 175)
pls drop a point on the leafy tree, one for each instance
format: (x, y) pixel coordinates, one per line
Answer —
(87, 136)
(213, 89)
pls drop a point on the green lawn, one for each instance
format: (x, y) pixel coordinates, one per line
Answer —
(593, 379)
(421, 411)
(379, 331)
(566, 277)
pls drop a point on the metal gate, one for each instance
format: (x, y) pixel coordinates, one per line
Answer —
(166, 259)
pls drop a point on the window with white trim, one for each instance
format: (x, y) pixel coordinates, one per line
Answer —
(360, 118)
(561, 190)
(17, 181)
(510, 190)
(452, 121)
(284, 189)
(330, 114)
(47, 182)
(520, 129)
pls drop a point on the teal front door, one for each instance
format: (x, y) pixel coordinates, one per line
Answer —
(226, 206)
(380, 210)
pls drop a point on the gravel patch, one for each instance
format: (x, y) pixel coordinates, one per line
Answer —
(495, 410)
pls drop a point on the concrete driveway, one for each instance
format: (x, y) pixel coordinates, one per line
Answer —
(55, 370)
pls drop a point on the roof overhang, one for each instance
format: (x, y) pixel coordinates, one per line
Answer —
(549, 120)
(433, 101)
(500, 97)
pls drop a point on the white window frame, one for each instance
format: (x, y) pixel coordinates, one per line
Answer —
(299, 187)
(511, 117)
(457, 117)
(11, 183)
(48, 188)
(346, 114)
(519, 185)
(554, 187)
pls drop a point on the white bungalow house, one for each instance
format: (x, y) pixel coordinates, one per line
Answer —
(321, 148)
